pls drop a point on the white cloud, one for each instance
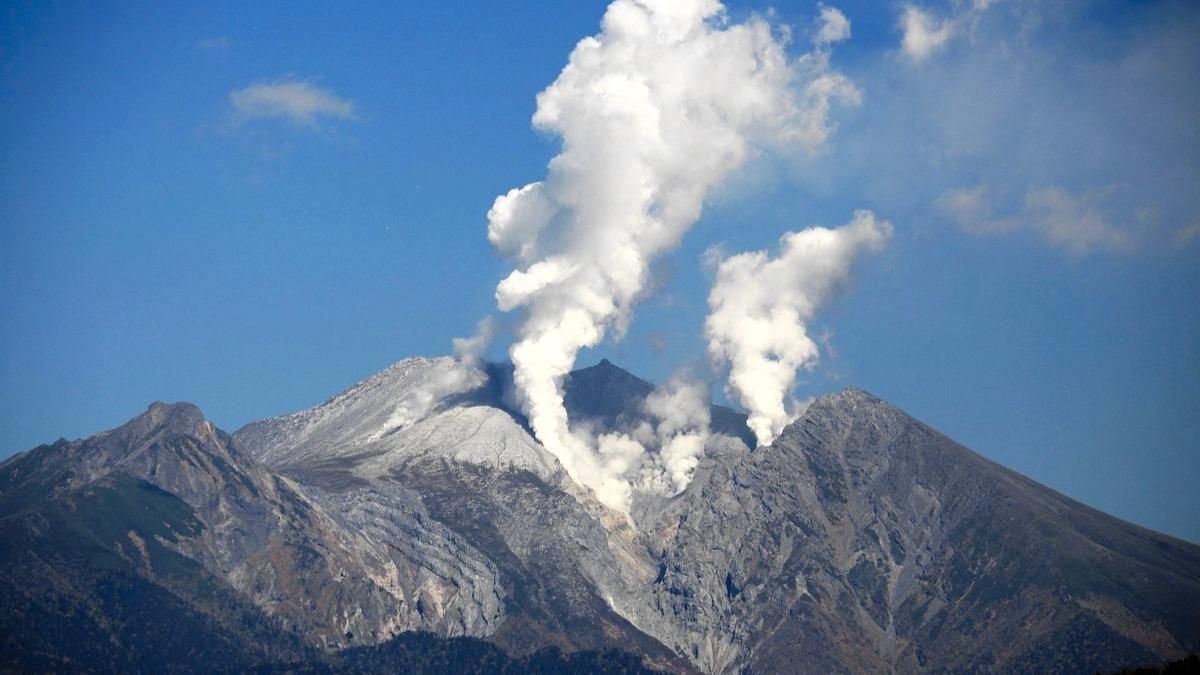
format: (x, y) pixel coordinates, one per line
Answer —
(1061, 100)
(1073, 223)
(835, 27)
(971, 209)
(923, 34)
(760, 307)
(301, 103)
(1186, 235)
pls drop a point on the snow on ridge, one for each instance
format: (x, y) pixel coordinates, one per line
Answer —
(474, 434)
(283, 439)
(363, 424)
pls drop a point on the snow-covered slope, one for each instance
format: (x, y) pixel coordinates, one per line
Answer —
(401, 415)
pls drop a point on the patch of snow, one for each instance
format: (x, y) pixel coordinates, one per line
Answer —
(376, 426)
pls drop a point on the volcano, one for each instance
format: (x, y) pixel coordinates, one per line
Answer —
(861, 540)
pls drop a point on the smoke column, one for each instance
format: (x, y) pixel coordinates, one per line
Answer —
(660, 455)
(681, 413)
(465, 374)
(759, 307)
(653, 112)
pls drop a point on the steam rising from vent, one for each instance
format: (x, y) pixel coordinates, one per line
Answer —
(654, 112)
(759, 308)
(681, 411)
(463, 375)
(660, 455)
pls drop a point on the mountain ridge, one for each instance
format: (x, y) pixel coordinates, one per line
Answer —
(861, 540)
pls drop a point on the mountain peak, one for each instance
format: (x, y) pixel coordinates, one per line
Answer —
(181, 408)
(604, 391)
(850, 398)
(166, 419)
(182, 415)
(608, 369)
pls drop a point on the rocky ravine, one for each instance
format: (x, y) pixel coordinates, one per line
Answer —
(860, 541)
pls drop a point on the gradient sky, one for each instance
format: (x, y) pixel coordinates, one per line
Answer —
(251, 206)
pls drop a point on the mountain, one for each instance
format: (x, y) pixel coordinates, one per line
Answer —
(101, 550)
(611, 398)
(860, 541)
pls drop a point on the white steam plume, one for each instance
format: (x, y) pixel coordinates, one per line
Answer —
(661, 454)
(759, 308)
(654, 112)
(681, 412)
(465, 374)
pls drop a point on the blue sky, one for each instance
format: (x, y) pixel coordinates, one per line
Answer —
(251, 206)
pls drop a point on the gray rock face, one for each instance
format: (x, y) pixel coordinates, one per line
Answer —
(362, 571)
(863, 541)
(860, 541)
(559, 557)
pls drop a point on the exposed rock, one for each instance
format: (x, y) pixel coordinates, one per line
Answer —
(359, 569)
(860, 541)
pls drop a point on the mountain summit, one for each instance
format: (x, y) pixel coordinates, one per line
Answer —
(861, 540)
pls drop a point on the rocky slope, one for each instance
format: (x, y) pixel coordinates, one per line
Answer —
(560, 557)
(860, 541)
(269, 539)
(864, 541)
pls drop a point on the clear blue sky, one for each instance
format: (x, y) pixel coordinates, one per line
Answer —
(163, 237)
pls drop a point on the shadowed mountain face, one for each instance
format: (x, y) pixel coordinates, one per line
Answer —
(860, 541)
(612, 398)
(603, 395)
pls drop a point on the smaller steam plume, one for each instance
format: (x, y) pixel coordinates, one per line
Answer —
(660, 455)
(465, 374)
(759, 310)
(681, 413)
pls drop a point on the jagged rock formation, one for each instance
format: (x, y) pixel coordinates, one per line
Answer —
(268, 538)
(864, 541)
(472, 466)
(860, 541)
